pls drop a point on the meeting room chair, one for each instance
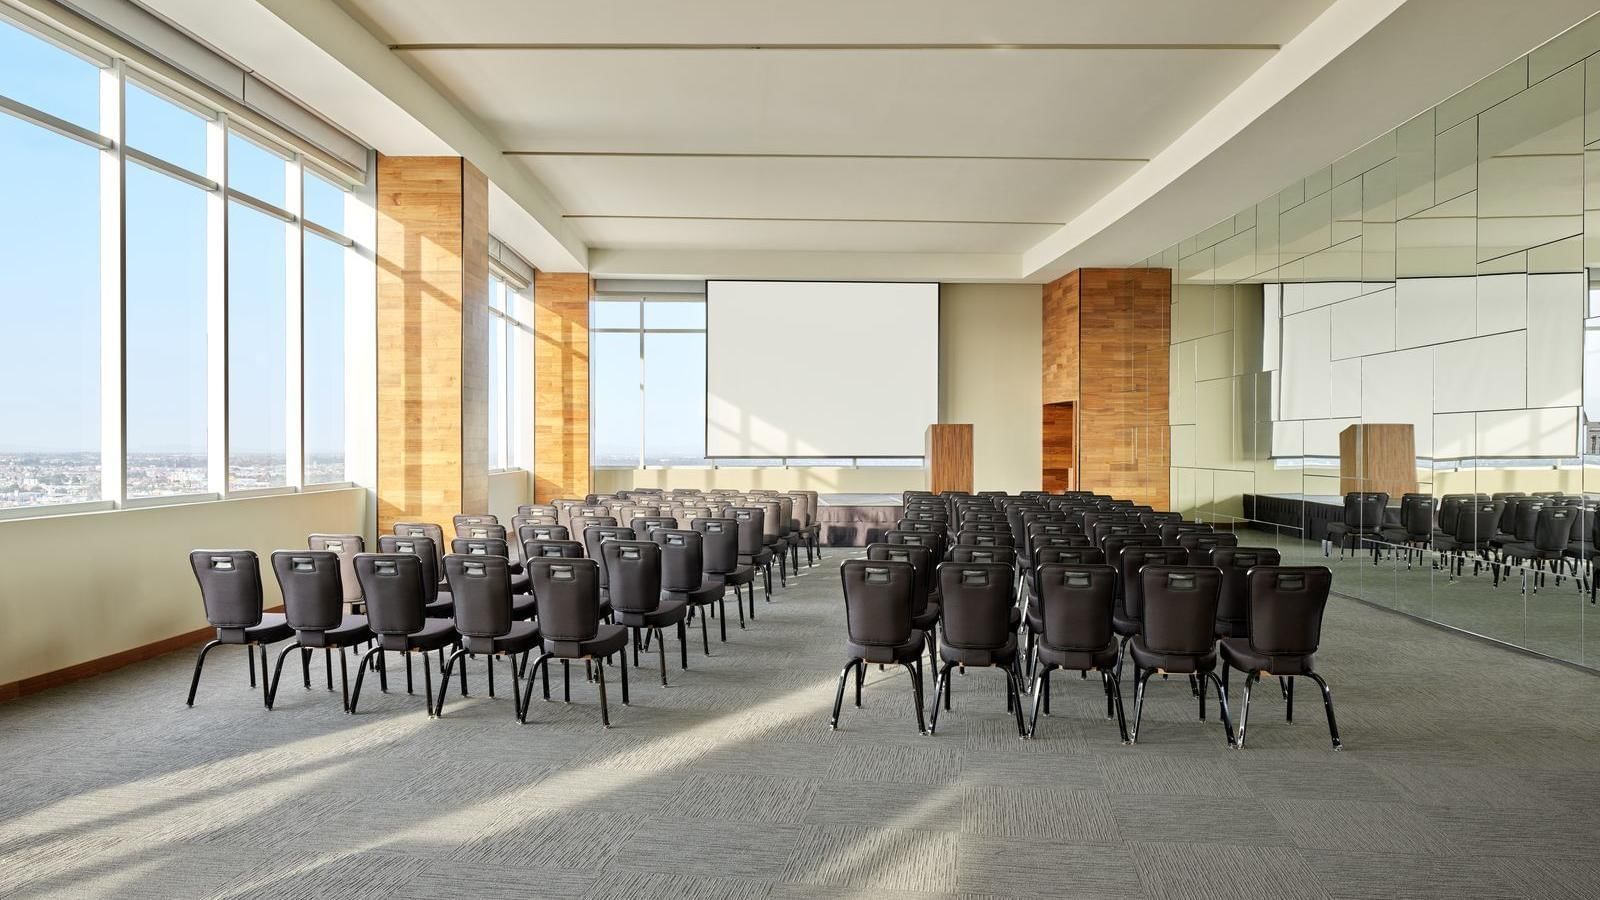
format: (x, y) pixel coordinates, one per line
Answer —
(1285, 609)
(977, 631)
(1232, 598)
(1363, 520)
(719, 544)
(683, 578)
(486, 621)
(924, 606)
(570, 628)
(752, 549)
(633, 571)
(314, 606)
(345, 546)
(1200, 545)
(438, 603)
(593, 537)
(1543, 536)
(522, 602)
(1177, 634)
(230, 591)
(395, 587)
(433, 533)
(878, 598)
(1075, 603)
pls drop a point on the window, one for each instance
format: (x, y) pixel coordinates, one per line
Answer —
(648, 381)
(510, 386)
(616, 399)
(182, 189)
(50, 302)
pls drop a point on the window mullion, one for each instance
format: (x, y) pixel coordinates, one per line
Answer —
(294, 430)
(217, 308)
(113, 291)
(641, 385)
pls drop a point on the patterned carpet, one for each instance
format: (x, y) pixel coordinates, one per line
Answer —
(1469, 771)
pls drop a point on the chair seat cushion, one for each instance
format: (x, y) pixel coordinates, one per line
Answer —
(1181, 663)
(433, 634)
(1124, 625)
(523, 636)
(756, 559)
(608, 639)
(980, 656)
(273, 628)
(1227, 628)
(926, 620)
(1015, 617)
(1237, 652)
(740, 575)
(523, 606)
(1079, 660)
(907, 651)
(1580, 549)
(520, 583)
(351, 630)
(708, 592)
(443, 607)
(1528, 550)
(1444, 543)
(668, 612)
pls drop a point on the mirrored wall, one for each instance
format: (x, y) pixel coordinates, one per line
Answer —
(1431, 301)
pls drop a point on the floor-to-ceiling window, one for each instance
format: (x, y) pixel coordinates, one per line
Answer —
(510, 360)
(174, 278)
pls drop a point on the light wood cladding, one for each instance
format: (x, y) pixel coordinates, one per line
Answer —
(1060, 460)
(949, 457)
(1378, 457)
(432, 255)
(1105, 338)
(561, 388)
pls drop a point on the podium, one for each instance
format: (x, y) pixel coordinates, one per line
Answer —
(1378, 457)
(948, 457)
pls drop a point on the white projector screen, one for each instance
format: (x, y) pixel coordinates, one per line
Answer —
(809, 368)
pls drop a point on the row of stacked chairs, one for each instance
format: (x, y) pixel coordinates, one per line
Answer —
(542, 596)
(1551, 531)
(1088, 582)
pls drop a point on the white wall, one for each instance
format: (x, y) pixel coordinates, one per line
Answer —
(94, 584)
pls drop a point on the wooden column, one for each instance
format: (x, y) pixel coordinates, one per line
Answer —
(1378, 457)
(1105, 338)
(561, 386)
(949, 455)
(433, 290)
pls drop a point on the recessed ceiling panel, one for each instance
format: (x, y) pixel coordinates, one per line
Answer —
(889, 237)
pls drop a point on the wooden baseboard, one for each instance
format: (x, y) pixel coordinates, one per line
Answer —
(22, 688)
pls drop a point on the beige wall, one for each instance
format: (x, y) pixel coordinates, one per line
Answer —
(507, 491)
(990, 364)
(989, 359)
(90, 585)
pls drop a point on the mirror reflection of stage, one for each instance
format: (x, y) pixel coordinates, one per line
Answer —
(1306, 515)
(856, 520)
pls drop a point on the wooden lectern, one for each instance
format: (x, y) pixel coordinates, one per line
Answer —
(948, 449)
(1374, 457)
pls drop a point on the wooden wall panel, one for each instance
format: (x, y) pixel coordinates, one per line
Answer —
(1060, 460)
(949, 457)
(561, 386)
(1106, 334)
(1378, 457)
(432, 302)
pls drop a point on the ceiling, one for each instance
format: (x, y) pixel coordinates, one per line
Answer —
(945, 140)
(911, 126)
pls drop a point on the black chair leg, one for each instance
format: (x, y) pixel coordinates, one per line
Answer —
(272, 686)
(488, 672)
(444, 681)
(600, 681)
(516, 689)
(661, 648)
(861, 671)
(1222, 707)
(916, 694)
(566, 681)
(1015, 691)
(305, 665)
(622, 659)
(838, 694)
(327, 664)
(542, 663)
(1116, 693)
(705, 639)
(1288, 697)
(410, 687)
(361, 674)
(1140, 678)
(265, 700)
(344, 679)
(1039, 680)
(200, 661)
(427, 681)
(722, 618)
(1327, 703)
(683, 643)
(941, 688)
(252, 659)
(382, 664)
(1244, 711)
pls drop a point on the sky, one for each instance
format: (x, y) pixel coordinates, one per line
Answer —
(50, 275)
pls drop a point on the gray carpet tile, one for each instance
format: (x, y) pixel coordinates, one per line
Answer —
(1469, 771)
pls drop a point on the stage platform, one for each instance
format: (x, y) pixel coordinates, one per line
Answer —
(856, 520)
(1307, 515)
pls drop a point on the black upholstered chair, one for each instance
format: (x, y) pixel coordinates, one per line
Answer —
(534, 532)
(1200, 545)
(633, 571)
(924, 606)
(1363, 520)
(395, 587)
(643, 525)
(230, 590)
(473, 519)
(932, 541)
(486, 620)
(345, 546)
(683, 578)
(1285, 610)
(719, 546)
(878, 598)
(552, 549)
(433, 533)
(1178, 634)
(978, 631)
(438, 602)
(1075, 605)
(570, 629)
(753, 551)
(980, 553)
(1543, 536)
(1170, 530)
(314, 606)
(1234, 562)
(522, 604)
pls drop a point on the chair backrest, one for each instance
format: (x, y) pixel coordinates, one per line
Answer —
(581, 524)
(1285, 608)
(394, 585)
(773, 525)
(230, 587)
(1553, 531)
(877, 600)
(985, 538)
(934, 542)
(481, 588)
(1076, 603)
(543, 533)
(798, 510)
(539, 510)
(923, 525)
(1526, 521)
(979, 553)
(1201, 545)
(484, 519)
(690, 513)
(1416, 516)
(976, 604)
(633, 575)
(1180, 608)
(1072, 556)
(551, 550)
(627, 513)
(345, 546)
(313, 594)
(479, 547)
(568, 592)
(428, 530)
(682, 558)
(920, 558)
(719, 544)
(1364, 510)
(1169, 531)
(1133, 560)
(1477, 521)
(752, 526)
(1234, 562)
(1117, 543)
(643, 525)
(596, 535)
(422, 548)
(517, 522)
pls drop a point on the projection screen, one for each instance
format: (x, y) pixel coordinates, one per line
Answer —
(807, 368)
